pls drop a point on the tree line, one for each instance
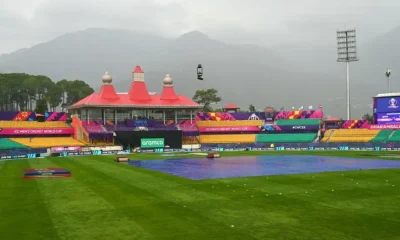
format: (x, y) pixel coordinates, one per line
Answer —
(38, 93)
(207, 97)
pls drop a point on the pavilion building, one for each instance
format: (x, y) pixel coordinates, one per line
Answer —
(138, 103)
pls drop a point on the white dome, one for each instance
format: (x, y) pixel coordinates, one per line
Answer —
(107, 79)
(168, 80)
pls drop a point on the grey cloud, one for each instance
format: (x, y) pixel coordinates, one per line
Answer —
(24, 23)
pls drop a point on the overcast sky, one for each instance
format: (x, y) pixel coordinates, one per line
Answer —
(24, 23)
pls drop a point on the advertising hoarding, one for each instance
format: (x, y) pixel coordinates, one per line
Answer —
(229, 129)
(152, 143)
(36, 131)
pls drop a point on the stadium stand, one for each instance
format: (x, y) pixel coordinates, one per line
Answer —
(190, 140)
(395, 137)
(353, 135)
(32, 124)
(44, 142)
(8, 144)
(286, 138)
(327, 135)
(382, 136)
(228, 138)
(236, 123)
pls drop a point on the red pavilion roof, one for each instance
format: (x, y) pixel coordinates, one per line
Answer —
(138, 69)
(137, 97)
(138, 91)
(168, 92)
(231, 106)
(108, 92)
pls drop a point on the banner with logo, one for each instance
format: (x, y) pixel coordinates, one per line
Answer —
(152, 143)
(291, 128)
(384, 126)
(229, 129)
(36, 131)
(388, 105)
(62, 149)
(299, 127)
(388, 118)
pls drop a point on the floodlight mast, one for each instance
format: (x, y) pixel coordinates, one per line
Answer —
(387, 73)
(347, 52)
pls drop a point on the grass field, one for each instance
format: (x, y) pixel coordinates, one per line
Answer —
(106, 200)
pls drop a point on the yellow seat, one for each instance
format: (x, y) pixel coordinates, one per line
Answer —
(326, 135)
(189, 140)
(45, 142)
(228, 138)
(33, 124)
(352, 135)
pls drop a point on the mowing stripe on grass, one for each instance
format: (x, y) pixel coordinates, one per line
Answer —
(22, 196)
(158, 215)
(208, 207)
(79, 213)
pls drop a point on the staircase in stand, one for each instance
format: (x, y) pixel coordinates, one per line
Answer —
(391, 134)
(329, 138)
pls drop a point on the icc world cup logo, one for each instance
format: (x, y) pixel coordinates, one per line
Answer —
(393, 103)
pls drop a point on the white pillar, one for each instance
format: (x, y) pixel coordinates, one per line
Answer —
(163, 115)
(191, 112)
(115, 117)
(103, 112)
(348, 91)
(87, 115)
(176, 116)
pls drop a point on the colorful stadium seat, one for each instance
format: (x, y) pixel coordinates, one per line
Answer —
(382, 136)
(33, 124)
(8, 144)
(327, 134)
(45, 142)
(228, 138)
(395, 137)
(353, 135)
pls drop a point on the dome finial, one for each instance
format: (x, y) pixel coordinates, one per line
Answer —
(107, 79)
(168, 80)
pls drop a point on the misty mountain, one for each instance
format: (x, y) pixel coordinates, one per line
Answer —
(243, 74)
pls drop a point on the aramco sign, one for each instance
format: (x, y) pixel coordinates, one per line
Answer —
(152, 143)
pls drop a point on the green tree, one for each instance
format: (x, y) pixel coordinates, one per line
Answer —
(206, 98)
(63, 85)
(23, 92)
(252, 108)
(41, 106)
(76, 90)
(368, 117)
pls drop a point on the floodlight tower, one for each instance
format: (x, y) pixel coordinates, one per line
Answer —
(387, 74)
(347, 52)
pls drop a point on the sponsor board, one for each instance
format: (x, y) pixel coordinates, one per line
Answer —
(384, 126)
(230, 129)
(36, 131)
(152, 143)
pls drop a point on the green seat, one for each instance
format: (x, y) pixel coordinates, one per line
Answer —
(382, 136)
(286, 138)
(8, 144)
(395, 137)
(295, 122)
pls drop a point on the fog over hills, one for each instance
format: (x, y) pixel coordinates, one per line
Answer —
(243, 74)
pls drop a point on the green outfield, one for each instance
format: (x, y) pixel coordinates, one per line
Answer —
(106, 200)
